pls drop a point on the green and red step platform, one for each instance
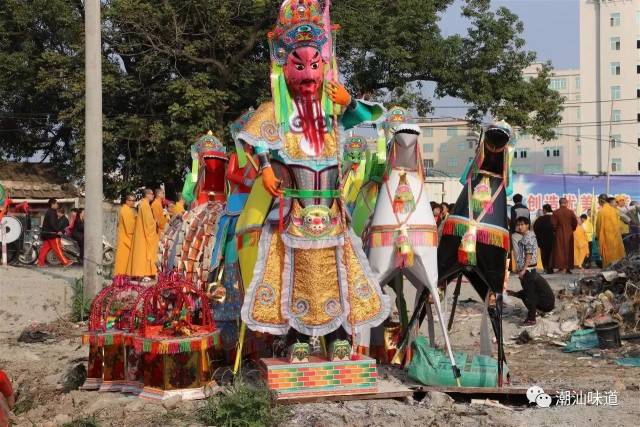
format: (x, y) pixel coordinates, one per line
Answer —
(320, 377)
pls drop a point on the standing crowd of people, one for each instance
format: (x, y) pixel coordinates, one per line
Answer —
(441, 212)
(599, 238)
(139, 231)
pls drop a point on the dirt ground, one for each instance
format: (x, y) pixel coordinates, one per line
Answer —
(34, 295)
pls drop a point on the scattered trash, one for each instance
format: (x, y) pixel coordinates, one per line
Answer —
(44, 332)
(74, 378)
(546, 328)
(33, 336)
(489, 402)
(609, 335)
(582, 339)
(524, 337)
(629, 361)
(607, 304)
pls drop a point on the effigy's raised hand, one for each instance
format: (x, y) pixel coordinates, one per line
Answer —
(270, 182)
(338, 93)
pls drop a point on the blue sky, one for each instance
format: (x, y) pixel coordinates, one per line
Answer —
(551, 29)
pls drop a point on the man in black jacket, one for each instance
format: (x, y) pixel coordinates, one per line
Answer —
(63, 221)
(517, 210)
(51, 233)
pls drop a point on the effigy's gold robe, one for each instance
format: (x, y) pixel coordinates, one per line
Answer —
(312, 275)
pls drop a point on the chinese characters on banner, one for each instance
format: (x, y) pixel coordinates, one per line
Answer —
(538, 190)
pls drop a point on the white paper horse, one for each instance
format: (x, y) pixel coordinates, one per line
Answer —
(402, 238)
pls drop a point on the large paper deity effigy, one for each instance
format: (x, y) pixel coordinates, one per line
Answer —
(311, 273)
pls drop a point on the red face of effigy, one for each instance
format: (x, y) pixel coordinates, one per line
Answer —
(303, 73)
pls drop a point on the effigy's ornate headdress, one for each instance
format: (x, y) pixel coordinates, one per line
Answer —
(300, 23)
(235, 128)
(355, 143)
(354, 148)
(206, 146)
(209, 144)
(396, 116)
(498, 138)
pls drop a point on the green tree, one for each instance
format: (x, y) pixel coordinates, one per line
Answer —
(174, 68)
(41, 70)
(398, 46)
(188, 66)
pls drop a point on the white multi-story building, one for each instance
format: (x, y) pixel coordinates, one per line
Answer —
(562, 154)
(447, 145)
(610, 86)
(600, 128)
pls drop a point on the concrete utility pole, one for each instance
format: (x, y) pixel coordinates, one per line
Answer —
(93, 149)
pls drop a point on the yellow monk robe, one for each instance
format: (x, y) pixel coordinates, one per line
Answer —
(608, 234)
(158, 215)
(178, 208)
(126, 227)
(580, 246)
(588, 229)
(144, 250)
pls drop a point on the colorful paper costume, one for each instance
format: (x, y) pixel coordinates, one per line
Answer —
(375, 167)
(311, 273)
(226, 292)
(191, 239)
(475, 236)
(402, 238)
(355, 156)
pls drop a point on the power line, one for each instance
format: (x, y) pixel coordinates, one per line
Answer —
(572, 103)
(598, 123)
(594, 139)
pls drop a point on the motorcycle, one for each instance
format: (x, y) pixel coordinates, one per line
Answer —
(70, 248)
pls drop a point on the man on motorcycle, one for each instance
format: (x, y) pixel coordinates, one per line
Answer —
(51, 233)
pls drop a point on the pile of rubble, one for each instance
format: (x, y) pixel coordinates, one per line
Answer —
(612, 295)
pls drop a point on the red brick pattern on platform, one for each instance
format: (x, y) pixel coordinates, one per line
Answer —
(320, 376)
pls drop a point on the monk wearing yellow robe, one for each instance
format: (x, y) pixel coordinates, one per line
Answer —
(588, 228)
(158, 212)
(178, 208)
(144, 250)
(580, 244)
(126, 227)
(608, 232)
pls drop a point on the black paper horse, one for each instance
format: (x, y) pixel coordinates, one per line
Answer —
(475, 237)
